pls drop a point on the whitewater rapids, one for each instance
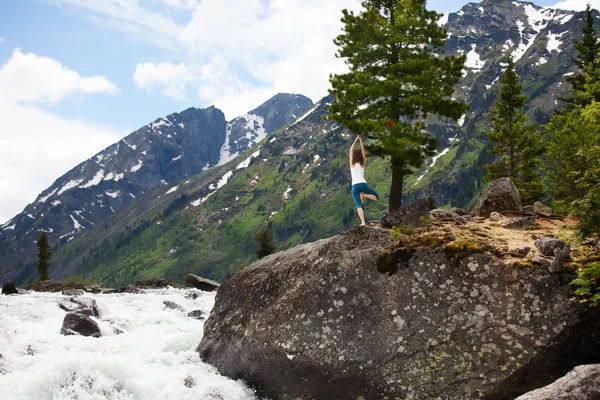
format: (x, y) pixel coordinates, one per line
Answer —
(151, 359)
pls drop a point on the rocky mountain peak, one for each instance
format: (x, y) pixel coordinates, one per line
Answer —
(167, 150)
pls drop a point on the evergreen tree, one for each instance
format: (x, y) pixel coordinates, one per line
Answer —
(398, 77)
(588, 61)
(266, 244)
(516, 142)
(574, 131)
(44, 254)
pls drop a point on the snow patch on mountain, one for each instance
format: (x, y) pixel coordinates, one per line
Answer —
(474, 61)
(43, 199)
(541, 61)
(256, 131)
(112, 194)
(76, 223)
(161, 122)
(95, 180)
(225, 154)
(136, 167)
(246, 162)
(173, 189)
(554, 41)
(70, 185)
(433, 161)
(115, 177)
(305, 115)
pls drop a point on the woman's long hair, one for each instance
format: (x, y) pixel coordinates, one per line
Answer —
(357, 157)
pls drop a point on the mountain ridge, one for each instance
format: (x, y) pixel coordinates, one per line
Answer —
(162, 152)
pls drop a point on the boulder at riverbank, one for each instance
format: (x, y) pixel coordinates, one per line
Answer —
(319, 321)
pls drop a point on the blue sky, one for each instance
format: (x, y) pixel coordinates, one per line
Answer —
(78, 75)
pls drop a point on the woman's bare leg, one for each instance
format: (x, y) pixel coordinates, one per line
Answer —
(368, 196)
(361, 215)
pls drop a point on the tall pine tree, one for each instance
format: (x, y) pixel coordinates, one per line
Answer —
(398, 77)
(588, 62)
(44, 254)
(516, 141)
(266, 244)
(572, 132)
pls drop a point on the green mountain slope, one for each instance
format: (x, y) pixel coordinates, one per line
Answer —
(297, 186)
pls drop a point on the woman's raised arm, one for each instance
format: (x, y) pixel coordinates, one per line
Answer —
(351, 149)
(364, 153)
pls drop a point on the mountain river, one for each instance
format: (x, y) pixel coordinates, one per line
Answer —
(154, 357)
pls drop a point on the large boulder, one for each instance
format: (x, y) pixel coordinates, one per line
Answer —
(447, 324)
(9, 288)
(201, 283)
(409, 215)
(79, 324)
(546, 245)
(582, 383)
(500, 195)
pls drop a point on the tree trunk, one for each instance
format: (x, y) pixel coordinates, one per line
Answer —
(395, 192)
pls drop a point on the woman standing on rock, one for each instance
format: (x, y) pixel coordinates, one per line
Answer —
(360, 189)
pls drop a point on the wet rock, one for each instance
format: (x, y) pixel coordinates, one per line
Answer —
(496, 216)
(546, 245)
(125, 289)
(73, 292)
(172, 305)
(47, 286)
(439, 214)
(68, 306)
(192, 296)
(541, 208)
(500, 195)
(582, 383)
(438, 327)
(196, 314)
(79, 324)
(204, 284)
(9, 288)
(86, 303)
(409, 215)
(520, 223)
(189, 382)
(541, 261)
(152, 283)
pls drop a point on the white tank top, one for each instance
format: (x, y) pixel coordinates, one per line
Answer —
(358, 174)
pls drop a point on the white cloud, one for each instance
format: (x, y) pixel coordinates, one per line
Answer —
(28, 78)
(229, 46)
(1, 40)
(576, 5)
(171, 78)
(36, 146)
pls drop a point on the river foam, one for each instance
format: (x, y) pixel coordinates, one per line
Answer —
(151, 359)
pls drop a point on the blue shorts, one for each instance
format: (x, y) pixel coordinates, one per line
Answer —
(359, 188)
